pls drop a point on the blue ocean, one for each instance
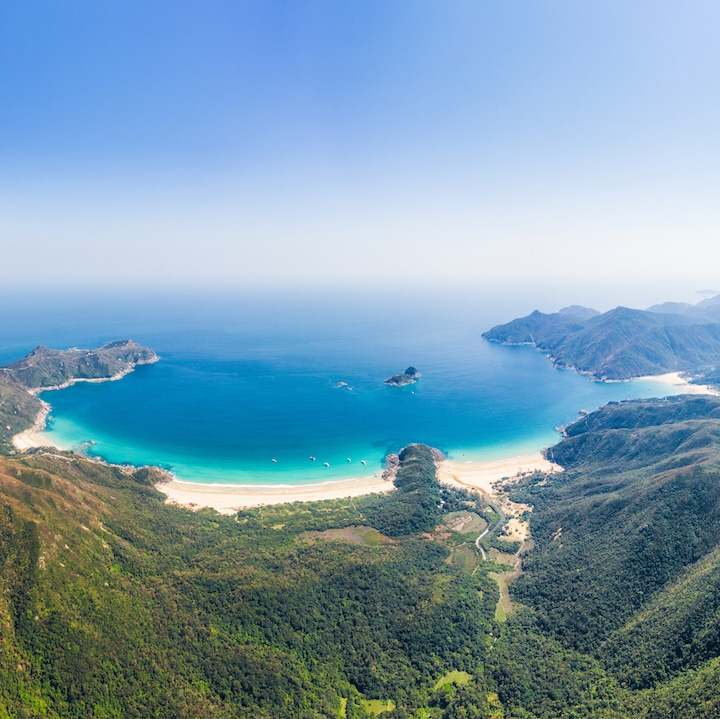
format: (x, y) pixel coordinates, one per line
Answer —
(252, 385)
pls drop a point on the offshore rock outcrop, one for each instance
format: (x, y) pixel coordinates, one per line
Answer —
(409, 376)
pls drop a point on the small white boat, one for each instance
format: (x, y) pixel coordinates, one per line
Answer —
(362, 461)
(327, 464)
(348, 459)
(274, 460)
(312, 459)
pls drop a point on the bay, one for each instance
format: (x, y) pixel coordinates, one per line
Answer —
(250, 387)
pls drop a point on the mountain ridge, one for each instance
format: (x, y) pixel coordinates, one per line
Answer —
(623, 343)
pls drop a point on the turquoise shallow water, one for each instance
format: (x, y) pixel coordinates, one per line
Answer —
(235, 390)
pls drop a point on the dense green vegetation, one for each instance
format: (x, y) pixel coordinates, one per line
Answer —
(415, 506)
(623, 343)
(506, 546)
(114, 604)
(623, 585)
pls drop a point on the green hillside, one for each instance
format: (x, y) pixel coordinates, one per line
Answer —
(45, 367)
(114, 604)
(622, 343)
(623, 585)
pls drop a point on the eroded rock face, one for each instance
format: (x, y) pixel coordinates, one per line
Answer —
(392, 464)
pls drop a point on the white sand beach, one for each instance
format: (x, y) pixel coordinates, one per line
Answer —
(484, 474)
(676, 380)
(31, 437)
(226, 499)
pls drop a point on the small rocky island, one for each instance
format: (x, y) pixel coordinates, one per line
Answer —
(409, 376)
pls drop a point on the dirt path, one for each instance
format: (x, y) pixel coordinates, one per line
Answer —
(511, 515)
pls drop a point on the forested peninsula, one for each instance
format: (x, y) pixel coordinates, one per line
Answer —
(46, 369)
(624, 343)
(407, 605)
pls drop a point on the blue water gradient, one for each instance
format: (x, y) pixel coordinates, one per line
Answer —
(243, 382)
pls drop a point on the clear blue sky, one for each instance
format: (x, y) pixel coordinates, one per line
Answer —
(236, 142)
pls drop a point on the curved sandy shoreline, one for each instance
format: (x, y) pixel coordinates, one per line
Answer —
(484, 474)
(227, 499)
(477, 474)
(31, 438)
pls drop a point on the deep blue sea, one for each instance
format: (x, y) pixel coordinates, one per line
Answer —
(246, 378)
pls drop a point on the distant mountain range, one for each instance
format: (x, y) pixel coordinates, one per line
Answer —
(624, 343)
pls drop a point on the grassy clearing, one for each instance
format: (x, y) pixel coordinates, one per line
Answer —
(465, 522)
(355, 535)
(440, 585)
(453, 677)
(299, 516)
(342, 714)
(504, 606)
(372, 537)
(501, 557)
(378, 706)
(465, 557)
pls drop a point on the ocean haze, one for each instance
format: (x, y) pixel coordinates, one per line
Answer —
(57, 316)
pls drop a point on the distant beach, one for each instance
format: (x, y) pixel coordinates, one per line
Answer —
(675, 379)
(31, 437)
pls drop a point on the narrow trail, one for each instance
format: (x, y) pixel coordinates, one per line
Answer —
(504, 605)
(490, 528)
